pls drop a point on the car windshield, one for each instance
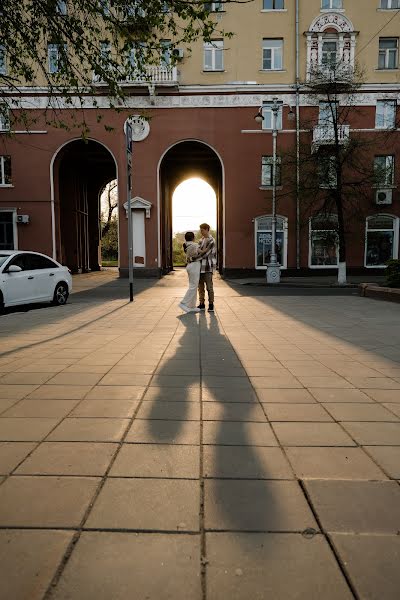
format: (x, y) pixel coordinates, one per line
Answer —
(3, 258)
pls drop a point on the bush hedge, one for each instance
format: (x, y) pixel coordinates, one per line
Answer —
(392, 273)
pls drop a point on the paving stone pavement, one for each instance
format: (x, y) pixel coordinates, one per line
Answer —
(249, 454)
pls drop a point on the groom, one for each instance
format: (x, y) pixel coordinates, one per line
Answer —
(208, 265)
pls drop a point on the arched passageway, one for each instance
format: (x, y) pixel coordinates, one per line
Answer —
(81, 171)
(183, 161)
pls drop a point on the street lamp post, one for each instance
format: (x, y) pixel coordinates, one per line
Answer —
(273, 267)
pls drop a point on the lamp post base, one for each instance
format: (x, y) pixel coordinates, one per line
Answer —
(273, 273)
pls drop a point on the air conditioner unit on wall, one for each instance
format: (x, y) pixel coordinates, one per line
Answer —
(383, 196)
(178, 52)
(23, 219)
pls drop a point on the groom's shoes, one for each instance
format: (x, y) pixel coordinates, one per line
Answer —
(201, 306)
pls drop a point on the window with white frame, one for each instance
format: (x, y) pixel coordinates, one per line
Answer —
(381, 240)
(327, 172)
(390, 4)
(5, 170)
(385, 117)
(332, 4)
(4, 118)
(267, 171)
(166, 53)
(55, 53)
(272, 55)
(330, 53)
(273, 4)
(268, 116)
(214, 55)
(263, 241)
(328, 114)
(388, 53)
(384, 171)
(213, 6)
(3, 61)
(61, 7)
(8, 230)
(324, 247)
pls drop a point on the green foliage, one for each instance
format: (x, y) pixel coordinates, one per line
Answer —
(98, 42)
(109, 242)
(392, 273)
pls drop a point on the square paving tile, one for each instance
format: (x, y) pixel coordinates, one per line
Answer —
(271, 566)
(359, 412)
(233, 411)
(45, 501)
(171, 394)
(311, 434)
(394, 408)
(26, 378)
(60, 392)
(246, 462)
(238, 433)
(332, 395)
(333, 463)
(78, 368)
(119, 379)
(296, 412)
(41, 408)
(291, 396)
(356, 506)
(15, 392)
(29, 560)
(77, 379)
(376, 383)
(107, 565)
(12, 453)
(374, 434)
(182, 381)
(387, 457)
(89, 430)
(6, 404)
(384, 395)
(157, 460)
(117, 392)
(118, 409)
(272, 382)
(240, 505)
(372, 563)
(68, 458)
(20, 429)
(164, 432)
(327, 382)
(147, 504)
(228, 395)
(175, 411)
(237, 383)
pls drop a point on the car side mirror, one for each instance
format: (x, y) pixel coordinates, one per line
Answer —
(14, 269)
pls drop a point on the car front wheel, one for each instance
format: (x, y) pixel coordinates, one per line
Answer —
(60, 294)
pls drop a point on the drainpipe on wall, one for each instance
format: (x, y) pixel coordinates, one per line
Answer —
(297, 136)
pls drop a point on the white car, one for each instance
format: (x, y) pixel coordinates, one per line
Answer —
(27, 277)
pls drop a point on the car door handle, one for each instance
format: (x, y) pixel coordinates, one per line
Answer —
(31, 277)
(51, 274)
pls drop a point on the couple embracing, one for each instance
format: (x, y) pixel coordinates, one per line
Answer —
(201, 260)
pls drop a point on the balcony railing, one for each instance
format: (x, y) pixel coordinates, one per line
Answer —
(328, 73)
(153, 75)
(325, 135)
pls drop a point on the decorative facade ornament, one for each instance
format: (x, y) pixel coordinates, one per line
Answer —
(139, 203)
(339, 22)
(339, 62)
(140, 128)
